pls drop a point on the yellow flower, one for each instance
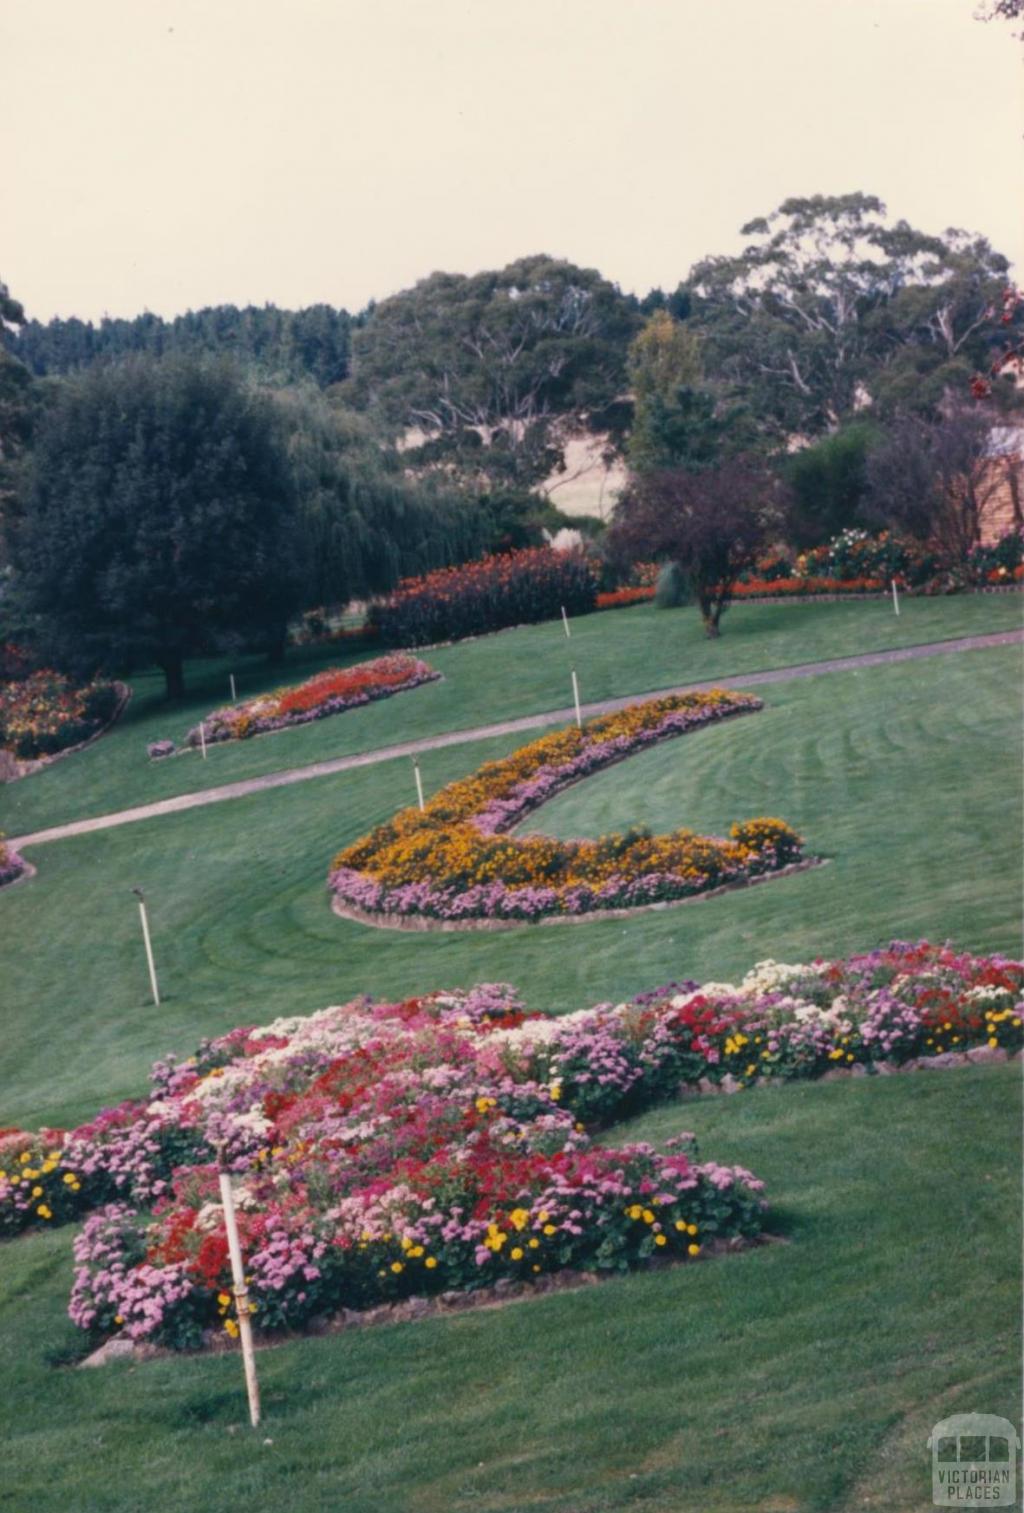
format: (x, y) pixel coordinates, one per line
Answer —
(693, 1250)
(549, 1229)
(660, 1240)
(44, 1212)
(519, 1218)
(430, 1262)
(396, 1267)
(534, 1243)
(37, 1192)
(231, 1327)
(993, 1042)
(118, 1319)
(70, 1177)
(647, 1216)
(223, 1298)
(516, 1254)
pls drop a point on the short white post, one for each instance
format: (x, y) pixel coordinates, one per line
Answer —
(202, 738)
(241, 1293)
(576, 699)
(234, 696)
(895, 597)
(565, 622)
(148, 944)
(419, 783)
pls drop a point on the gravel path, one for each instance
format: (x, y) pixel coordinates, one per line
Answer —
(505, 727)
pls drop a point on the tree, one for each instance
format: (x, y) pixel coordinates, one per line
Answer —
(828, 482)
(934, 478)
(156, 514)
(710, 523)
(828, 302)
(490, 372)
(19, 398)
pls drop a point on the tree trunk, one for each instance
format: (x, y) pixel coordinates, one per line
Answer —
(172, 666)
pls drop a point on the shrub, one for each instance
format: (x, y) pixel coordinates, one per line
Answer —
(670, 590)
(516, 589)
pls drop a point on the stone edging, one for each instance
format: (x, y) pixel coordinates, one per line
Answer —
(410, 1310)
(36, 764)
(427, 922)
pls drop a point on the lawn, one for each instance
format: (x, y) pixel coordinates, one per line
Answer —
(800, 1378)
(794, 1378)
(905, 776)
(497, 677)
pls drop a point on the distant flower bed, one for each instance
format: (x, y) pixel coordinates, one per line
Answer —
(616, 598)
(756, 588)
(12, 865)
(454, 861)
(385, 1150)
(518, 588)
(46, 712)
(329, 692)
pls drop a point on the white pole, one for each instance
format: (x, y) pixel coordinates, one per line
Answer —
(149, 951)
(576, 699)
(241, 1292)
(234, 696)
(202, 738)
(895, 597)
(565, 622)
(419, 783)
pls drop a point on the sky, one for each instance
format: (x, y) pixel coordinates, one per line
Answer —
(168, 154)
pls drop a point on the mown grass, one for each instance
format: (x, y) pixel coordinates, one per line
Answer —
(796, 1378)
(906, 777)
(517, 672)
(799, 1378)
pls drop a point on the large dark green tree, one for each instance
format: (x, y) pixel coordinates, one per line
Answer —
(490, 372)
(157, 513)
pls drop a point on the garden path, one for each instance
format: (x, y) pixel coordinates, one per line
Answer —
(504, 727)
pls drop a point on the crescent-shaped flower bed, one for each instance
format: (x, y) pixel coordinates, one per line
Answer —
(396, 1150)
(454, 861)
(329, 692)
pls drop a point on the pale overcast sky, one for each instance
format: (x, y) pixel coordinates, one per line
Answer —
(169, 154)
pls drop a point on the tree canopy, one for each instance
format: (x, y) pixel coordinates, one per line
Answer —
(490, 371)
(157, 513)
(830, 307)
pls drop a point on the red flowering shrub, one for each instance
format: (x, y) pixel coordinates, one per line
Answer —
(519, 588)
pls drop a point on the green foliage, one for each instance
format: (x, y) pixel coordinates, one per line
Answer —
(671, 589)
(480, 368)
(828, 482)
(157, 513)
(282, 345)
(829, 300)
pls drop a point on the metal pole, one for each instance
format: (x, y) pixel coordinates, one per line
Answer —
(241, 1293)
(576, 699)
(148, 944)
(419, 783)
(234, 696)
(202, 738)
(895, 597)
(565, 622)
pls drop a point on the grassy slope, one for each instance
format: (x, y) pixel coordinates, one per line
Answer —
(906, 776)
(800, 1378)
(518, 672)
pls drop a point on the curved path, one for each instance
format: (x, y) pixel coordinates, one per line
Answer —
(505, 727)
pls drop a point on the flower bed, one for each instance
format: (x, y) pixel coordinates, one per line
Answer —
(382, 1151)
(517, 588)
(455, 861)
(329, 692)
(12, 864)
(45, 713)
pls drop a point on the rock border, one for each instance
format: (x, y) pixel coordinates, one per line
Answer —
(411, 1310)
(424, 922)
(28, 766)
